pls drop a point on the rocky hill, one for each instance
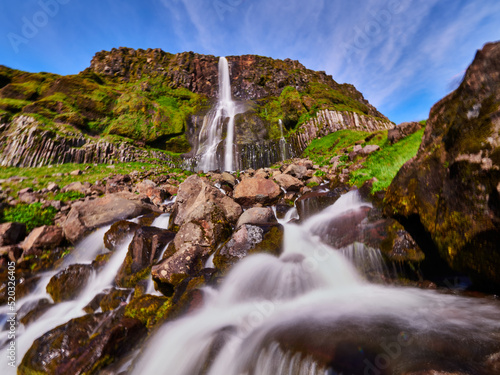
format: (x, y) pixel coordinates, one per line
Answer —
(448, 197)
(151, 100)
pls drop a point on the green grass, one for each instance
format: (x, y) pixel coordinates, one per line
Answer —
(68, 196)
(33, 215)
(38, 178)
(385, 163)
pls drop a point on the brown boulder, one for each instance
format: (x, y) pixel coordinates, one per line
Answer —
(256, 216)
(46, 237)
(196, 191)
(256, 190)
(87, 216)
(289, 183)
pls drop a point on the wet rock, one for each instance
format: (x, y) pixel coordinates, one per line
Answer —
(447, 197)
(313, 202)
(83, 345)
(256, 216)
(195, 192)
(68, 283)
(256, 190)
(289, 183)
(87, 216)
(249, 239)
(143, 251)
(114, 298)
(42, 238)
(118, 233)
(402, 130)
(31, 311)
(148, 309)
(12, 233)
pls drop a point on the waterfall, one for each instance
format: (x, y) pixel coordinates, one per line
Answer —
(212, 130)
(309, 311)
(282, 142)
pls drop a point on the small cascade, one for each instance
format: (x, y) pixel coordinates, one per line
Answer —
(211, 134)
(309, 311)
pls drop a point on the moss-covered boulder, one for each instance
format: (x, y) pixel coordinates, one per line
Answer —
(68, 283)
(448, 196)
(83, 345)
(148, 309)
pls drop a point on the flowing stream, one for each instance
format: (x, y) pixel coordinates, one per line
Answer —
(210, 136)
(310, 311)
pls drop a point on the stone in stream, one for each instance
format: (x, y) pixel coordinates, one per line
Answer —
(68, 283)
(83, 345)
(118, 233)
(144, 250)
(289, 183)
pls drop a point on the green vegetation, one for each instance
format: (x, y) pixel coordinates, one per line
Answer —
(33, 215)
(385, 163)
(68, 196)
(38, 178)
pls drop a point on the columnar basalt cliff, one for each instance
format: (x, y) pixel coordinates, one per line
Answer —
(451, 189)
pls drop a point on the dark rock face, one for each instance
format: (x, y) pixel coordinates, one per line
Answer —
(143, 251)
(451, 190)
(118, 232)
(68, 283)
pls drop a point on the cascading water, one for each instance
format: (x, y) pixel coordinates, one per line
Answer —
(310, 312)
(85, 252)
(211, 133)
(282, 142)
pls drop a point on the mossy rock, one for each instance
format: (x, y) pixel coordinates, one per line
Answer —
(118, 233)
(148, 309)
(68, 283)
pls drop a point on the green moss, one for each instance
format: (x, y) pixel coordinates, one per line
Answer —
(148, 309)
(33, 215)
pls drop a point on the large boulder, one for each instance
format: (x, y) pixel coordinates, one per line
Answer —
(449, 194)
(195, 192)
(256, 190)
(87, 216)
(256, 216)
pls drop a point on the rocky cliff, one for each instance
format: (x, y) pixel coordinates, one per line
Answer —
(129, 100)
(449, 193)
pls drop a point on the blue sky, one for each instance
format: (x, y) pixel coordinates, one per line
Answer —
(403, 55)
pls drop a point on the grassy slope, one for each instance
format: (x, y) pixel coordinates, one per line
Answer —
(383, 164)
